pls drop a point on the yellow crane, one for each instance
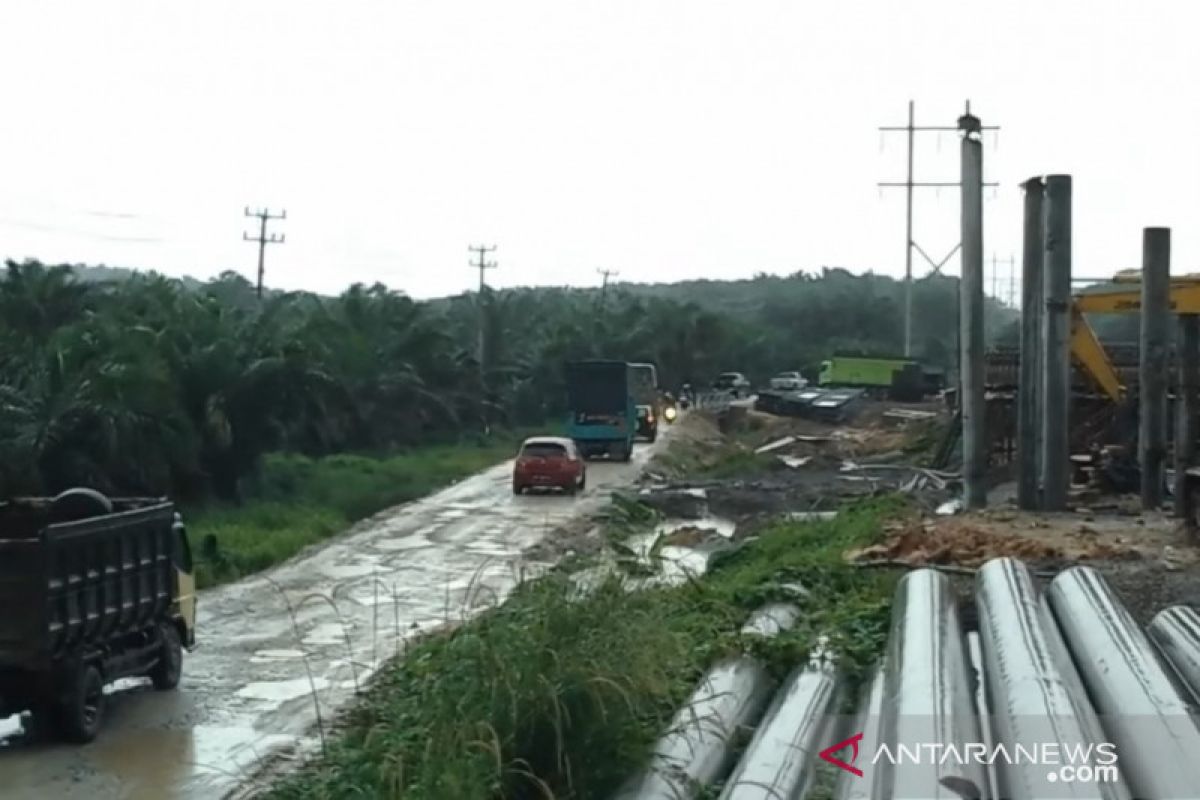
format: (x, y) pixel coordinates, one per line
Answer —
(1122, 296)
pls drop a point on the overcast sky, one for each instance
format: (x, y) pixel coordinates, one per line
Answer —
(668, 140)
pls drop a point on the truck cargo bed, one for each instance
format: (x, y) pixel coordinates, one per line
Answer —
(71, 585)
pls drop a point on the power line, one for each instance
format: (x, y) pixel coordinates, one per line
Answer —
(262, 238)
(908, 184)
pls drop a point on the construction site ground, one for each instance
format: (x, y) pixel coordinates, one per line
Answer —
(710, 520)
(804, 465)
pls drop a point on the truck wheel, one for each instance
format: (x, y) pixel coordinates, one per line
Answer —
(653, 434)
(166, 673)
(628, 454)
(82, 708)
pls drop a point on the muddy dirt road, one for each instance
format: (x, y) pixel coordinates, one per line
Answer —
(247, 689)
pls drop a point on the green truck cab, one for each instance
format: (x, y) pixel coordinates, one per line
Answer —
(601, 411)
(106, 590)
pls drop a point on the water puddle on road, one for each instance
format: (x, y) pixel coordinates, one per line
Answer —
(282, 691)
(327, 633)
(676, 550)
(271, 656)
(346, 571)
(176, 763)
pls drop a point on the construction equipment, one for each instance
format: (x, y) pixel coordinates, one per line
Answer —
(1122, 296)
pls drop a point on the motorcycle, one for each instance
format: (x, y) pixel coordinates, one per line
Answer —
(685, 398)
(669, 411)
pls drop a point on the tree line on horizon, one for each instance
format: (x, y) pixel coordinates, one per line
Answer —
(148, 384)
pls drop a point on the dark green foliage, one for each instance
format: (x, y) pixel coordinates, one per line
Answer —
(145, 384)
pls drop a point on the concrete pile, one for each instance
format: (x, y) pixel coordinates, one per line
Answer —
(1068, 698)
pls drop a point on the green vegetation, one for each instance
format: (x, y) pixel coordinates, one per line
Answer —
(560, 695)
(298, 500)
(142, 384)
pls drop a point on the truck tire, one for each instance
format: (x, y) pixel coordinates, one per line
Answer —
(628, 454)
(653, 437)
(166, 673)
(81, 710)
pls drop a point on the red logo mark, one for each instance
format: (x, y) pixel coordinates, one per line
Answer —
(827, 754)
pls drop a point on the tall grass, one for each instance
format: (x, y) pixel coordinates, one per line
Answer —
(295, 501)
(558, 695)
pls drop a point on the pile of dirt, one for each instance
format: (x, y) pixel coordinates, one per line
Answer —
(970, 542)
(927, 542)
(868, 435)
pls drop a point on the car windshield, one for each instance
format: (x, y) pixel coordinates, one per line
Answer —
(543, 450)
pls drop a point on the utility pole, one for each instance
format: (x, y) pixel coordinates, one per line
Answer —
(1153, 364)
(483, 265)
(972, 401)
(263, 240)
(1055, 394)
(1029, 384)
(607, 273)
(908, 184)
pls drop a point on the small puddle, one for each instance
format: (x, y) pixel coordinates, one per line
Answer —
(269, 656)
(326, 633)
(282, 691)
(345, 571)
(176, 763)
(724, 528)
(416, 541)
(678, 549)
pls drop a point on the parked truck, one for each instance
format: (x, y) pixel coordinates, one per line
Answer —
(602, 413)
(898, 378)
(92, 589)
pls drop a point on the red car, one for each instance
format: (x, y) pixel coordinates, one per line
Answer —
(549, 462)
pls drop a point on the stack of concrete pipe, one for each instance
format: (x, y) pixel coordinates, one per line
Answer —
(1064, 669)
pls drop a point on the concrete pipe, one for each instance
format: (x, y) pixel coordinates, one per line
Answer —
(1176, 631)
(698, 749)
(870, 712)
(779, 763)
(1142, 709)
(928, 696)
(1030, 702)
